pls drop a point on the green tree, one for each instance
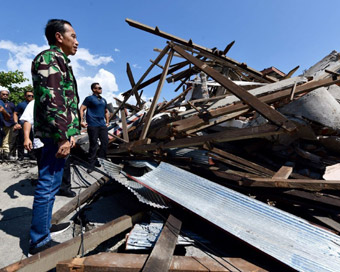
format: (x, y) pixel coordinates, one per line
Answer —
(9, 80)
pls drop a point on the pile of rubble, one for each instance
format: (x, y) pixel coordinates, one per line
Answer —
(253, 153)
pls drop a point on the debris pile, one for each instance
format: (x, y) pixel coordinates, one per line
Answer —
(255, 154)
(266, 134)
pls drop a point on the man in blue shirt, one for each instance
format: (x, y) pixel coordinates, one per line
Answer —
(19, 109)
(97, 120)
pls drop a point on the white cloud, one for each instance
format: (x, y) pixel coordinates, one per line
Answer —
(105, 78)
(116, 50)
(20, 58)
(91, 60)
(136, 66)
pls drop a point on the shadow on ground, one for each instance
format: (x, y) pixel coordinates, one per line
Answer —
(16, 222)
(23, 187)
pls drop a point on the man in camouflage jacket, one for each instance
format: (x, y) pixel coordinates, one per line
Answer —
(56, 121)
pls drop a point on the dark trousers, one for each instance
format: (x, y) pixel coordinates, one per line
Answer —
(66, 180)
(20, 143)
(96, 133)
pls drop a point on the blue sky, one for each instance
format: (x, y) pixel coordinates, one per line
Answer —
(283, 34)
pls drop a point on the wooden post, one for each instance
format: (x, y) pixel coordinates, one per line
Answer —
(155, 98)
(125, 130)
(161, 255)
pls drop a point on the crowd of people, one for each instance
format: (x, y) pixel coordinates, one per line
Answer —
(47, 121)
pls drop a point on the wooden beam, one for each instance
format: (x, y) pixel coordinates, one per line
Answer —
(269, 113)
(125, 130)
(195, 121)
(306, 184)
(48, 259)
(219, 137)
(132, 82)
(161, 255)
(64, 211)
(238, 159)
(155, 78)
(291, 72)
(164, 107)
(135, 88)
(226, 50)
(190, 44)
(292, 92)
(152, 108)
(134, 263)
(283, 173)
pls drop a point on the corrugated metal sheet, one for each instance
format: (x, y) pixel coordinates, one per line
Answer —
(283, 236)
(143, 194)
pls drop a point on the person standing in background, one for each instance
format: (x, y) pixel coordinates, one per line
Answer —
(8, 137)
(97, 120)
(18, 125)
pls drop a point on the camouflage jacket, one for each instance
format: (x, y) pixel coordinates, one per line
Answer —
(56, 113)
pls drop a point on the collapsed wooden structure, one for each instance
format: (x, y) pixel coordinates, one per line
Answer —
(229, 125)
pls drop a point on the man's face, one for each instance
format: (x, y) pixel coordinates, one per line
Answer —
(68, 41)
(29, 96)
(4, 95)
(97, 89)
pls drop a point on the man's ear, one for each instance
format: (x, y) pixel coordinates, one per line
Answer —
(59, 37)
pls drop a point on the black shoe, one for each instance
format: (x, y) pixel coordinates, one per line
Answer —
(97, 164)
(89, 170)
(36, 250)
(56, 229)
(20, 158)
(67, 193)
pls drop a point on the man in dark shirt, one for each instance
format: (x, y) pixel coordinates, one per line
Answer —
(19, 124)
(97, 120)
(3, 115)
(7, 142)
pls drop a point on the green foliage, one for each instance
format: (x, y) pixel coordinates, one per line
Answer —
(9, 80)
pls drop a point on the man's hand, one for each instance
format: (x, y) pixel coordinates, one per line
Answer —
(83, 124)
(72, 141)
(64, 149)
(28, 144)
(17, 126)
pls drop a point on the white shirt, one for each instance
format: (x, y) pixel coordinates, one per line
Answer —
(28, 116)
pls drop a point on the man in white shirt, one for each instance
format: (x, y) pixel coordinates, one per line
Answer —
(28, 118)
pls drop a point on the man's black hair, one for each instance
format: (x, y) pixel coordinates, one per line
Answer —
(94, 85)
(27, 91)
(53, 26)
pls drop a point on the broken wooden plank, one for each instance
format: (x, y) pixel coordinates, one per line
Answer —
(135, 88)
(168, 36)
(219, 137)
(306, 184)
(283, 173)
(161, 255)
(268, 112)
(238, 159)
(134, 263)
(195, 121)
(125, 130)
(152, 108)
(48, 259)
(132, 82)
